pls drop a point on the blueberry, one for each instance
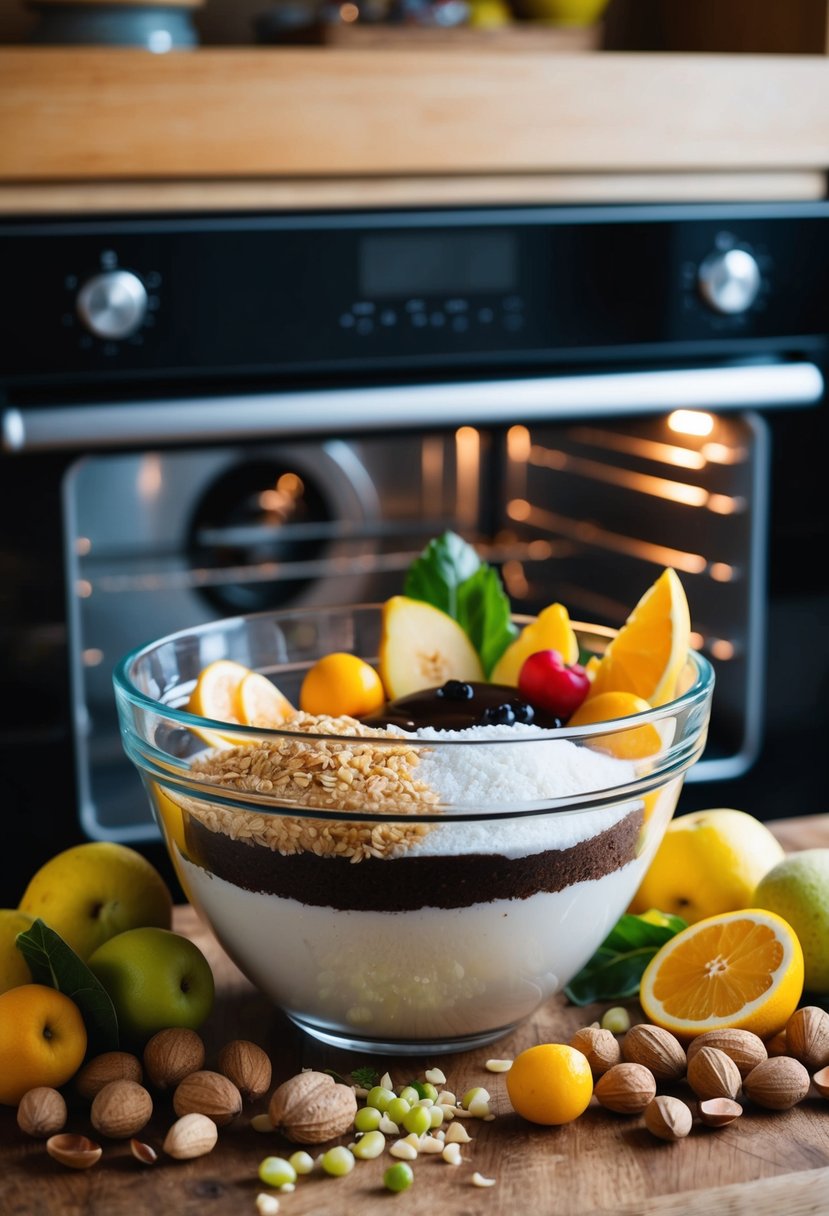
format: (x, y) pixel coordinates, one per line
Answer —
(523, 712)
(456, 690)
(498, 715)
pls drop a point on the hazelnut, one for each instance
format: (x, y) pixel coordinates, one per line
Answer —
(807, 1037)
(191, 1136)
(626, 1089)
(657, 1049)
(171, 1055)
(668, 1118)
(718, 1112)
(312, 1107)
(713, 1074)
(121, 1109)
(247, 1066)
(42, 1112)
(746, 1049)
(208, 1093)
(601, 1048)
(111, 1066)
(778, 1083)
(76, 1152)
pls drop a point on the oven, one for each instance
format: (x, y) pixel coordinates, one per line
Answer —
(210, 414)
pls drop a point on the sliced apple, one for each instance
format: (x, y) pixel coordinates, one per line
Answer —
(551, 630)
(422, 647)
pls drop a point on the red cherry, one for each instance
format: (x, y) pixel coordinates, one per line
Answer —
(548, 683)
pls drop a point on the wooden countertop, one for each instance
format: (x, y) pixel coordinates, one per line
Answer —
(764, 1164)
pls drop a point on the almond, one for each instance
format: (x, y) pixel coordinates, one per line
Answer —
(208, 1093)
(746, 1049)
(121, 1109)
(778, 1083)
(668, 1118)
(42, 1112)
(657, 1049)
(719, 1112)
(110, 1066)
(807, 1037)
(171, 1055)
(311, 1108)
(247, 1066)
(713, 1074)
(601, 1048)
(626, 1089)
(192, 1135)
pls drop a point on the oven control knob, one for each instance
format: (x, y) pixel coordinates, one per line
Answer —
(729, 281)
(112, 305)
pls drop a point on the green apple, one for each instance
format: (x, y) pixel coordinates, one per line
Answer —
(156, 979)
(93, 891)
(14, 970)
(798, 890)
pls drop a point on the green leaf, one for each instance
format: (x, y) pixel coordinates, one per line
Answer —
(366, 1077)
(615, 970)
(53, 963)
(484, 614)
(436, 575)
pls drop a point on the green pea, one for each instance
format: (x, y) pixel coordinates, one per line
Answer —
(367, 1119)
(411, 1095)
(338, 1161)
(276, 1171)
(398, 1177)
(372, 1144)
(302, 1162)
(417, 1120)
(429, 1091)
(379, 1097)
(397, 1109)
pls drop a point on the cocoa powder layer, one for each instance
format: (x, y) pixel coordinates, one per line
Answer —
(402, 884)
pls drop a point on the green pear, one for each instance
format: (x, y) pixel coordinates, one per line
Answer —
(798, 890)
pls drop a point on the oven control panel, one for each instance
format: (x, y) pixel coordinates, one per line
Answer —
(293, 297)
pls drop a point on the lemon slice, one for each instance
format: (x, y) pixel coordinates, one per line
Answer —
(215, 693)
(258, 702)
(650, 650)
(741, 970)
(551, 630)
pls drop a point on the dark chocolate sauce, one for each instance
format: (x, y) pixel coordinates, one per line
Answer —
(457, 706)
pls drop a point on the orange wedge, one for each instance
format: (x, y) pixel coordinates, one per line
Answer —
(634, 743)
(215, 693)
(741, 970)
(551, 630)
(651, 649)
(258, 702)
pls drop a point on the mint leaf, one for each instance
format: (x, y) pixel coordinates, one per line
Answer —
(436, 575)
(366, 1077)
(484, 614)
(53, 963)
(615, 970)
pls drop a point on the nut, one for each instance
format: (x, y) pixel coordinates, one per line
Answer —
(777, 1046)
(192, 1135)
(626, 1089)
(311, 1108)
(145, 1153)
(807, 1036)
(121, 1109)
(208, 1093)
(42, 1112)
(668, 1118)
(171, 1055)
(718, 1112)
(657, 1049)
(77, 1152)
(713, 1074)
(746, 1049)
(247, 1066)
(778, 1083)
(600, 1047)
(111, 1066)
(821, 1082)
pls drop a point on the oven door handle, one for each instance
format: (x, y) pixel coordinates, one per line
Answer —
(350, 410)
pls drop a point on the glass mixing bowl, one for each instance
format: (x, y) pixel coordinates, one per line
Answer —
(408, 895)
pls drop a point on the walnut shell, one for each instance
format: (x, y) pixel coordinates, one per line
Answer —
(247, 1066)
(110, 1066)
(208, 1093)
(601, 1048)
(121, 1109)
(626, 1089)
(778, 1083)
(311, 1108)
(42, 1112)
(713, 1074)
(657, 1049)
(171, 1055)
(807, 1037)
(821, 1082)
(745, 1048)
(719, 1112)
(668, 1118)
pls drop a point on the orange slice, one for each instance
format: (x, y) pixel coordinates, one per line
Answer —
(258, 702)
(741, 970)
(551, 630)
(651, 649)
(215, 693)
(632, 743)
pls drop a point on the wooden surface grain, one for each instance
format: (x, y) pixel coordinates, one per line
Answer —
(764, 1164)
(120, 114)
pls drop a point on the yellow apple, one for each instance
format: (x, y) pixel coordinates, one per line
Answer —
(14, 969)
(94, 891)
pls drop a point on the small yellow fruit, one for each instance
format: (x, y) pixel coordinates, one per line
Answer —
(551, 630)
(14, 969)
(708, 862)
(341, 685)
(550, 1084)
(42, 1040)
(797, 888)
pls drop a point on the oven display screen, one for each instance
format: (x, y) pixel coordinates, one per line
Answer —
(451, 263)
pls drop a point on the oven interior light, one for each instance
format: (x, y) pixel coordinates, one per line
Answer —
(691, 422)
